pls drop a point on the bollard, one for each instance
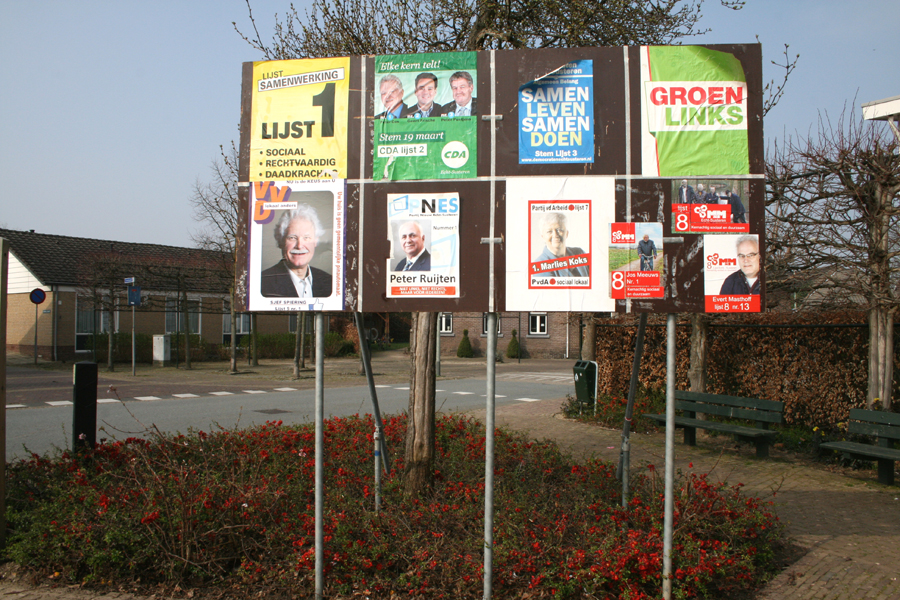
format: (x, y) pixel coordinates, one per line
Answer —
(84, 399)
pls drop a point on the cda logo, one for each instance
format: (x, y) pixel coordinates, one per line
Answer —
(455, 154)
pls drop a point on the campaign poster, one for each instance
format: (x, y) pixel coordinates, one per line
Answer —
(694, 112)
(636, 265)
(296, 244)
(732, 271)
(556, 116)
(426, 116)
(560, 249)
(710, 206)
(424, 234)
(298, 119)
(553, 262)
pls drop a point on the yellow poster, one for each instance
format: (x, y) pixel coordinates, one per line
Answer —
(299, 119)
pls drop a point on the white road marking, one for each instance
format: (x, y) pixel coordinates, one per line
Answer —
(185, 395)
(145, 398)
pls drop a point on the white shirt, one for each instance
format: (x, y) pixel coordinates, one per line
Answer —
(302, 285)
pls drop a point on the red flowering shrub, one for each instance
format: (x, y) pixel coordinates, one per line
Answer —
(233, 511)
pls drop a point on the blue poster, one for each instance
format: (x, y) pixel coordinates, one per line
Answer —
(556, 116)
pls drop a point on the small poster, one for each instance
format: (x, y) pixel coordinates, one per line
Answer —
(556, 116)
(732, 272)
(426, 116)
(636, 265)
(424, 234)
(552, 262)
(296, 259)
(299, 119)
(560, 249)
(709, 206)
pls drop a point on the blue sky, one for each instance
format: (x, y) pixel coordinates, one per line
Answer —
(111, 110)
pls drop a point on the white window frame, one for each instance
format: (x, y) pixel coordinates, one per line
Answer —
(446, 323)
(173, 316)
(542, 320)
(484, 317)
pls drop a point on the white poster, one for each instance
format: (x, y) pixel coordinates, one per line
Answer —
(424, 234)
(555, 260)
(296, 245)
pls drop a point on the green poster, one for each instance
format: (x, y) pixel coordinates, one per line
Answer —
(696, 110)
(426, 116)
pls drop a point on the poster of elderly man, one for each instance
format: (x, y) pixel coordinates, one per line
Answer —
(732, 273)
(296, 246)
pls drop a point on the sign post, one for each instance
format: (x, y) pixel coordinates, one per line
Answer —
(37, 298)
(134, 299)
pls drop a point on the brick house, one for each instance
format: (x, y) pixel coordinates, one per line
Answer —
(540, 334)
(77, 274)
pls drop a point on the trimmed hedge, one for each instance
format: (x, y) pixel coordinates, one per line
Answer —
(819, 371)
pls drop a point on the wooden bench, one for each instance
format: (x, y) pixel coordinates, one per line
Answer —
(885, 427)
(762, 412)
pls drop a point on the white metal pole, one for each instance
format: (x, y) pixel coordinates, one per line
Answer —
(489, 456)
(133, 359)
(320, 453)
(669, 509)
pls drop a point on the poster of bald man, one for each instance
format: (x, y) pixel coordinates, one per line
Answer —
(424, 234)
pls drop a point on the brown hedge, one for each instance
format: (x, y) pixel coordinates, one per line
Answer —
(812, 362)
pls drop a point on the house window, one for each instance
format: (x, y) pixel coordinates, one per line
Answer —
(85, 315)
(243, 322)
(174, 316)
(446, 323)
(537, 323)
(293, 321)
(484, 321)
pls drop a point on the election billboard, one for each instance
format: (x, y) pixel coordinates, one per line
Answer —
(299, 119)
(429, 109)
(590, 179)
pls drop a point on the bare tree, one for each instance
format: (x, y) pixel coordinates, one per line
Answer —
(834, 213)
(366, 27)
(216, 207)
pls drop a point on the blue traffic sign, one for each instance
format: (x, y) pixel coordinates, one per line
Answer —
(37, 296)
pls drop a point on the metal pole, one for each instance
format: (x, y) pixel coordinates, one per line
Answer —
(320, 453)
(669, 509)
(625, 455)
(35, 332)
(489, 456)
(367, 365)
(133, 360)
(377, 468)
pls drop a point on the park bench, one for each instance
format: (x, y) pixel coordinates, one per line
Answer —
(885, 427)
(762, 412)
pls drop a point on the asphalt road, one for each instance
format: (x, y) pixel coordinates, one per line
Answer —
(39, 409)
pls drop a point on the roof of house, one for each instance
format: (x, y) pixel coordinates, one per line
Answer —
(85, 262)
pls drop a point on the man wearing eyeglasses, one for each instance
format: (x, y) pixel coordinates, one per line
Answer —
(297, 234)
(745, 281)
(554, 232)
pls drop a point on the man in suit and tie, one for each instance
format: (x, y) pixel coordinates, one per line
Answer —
(412, 240)
(426, 90)
(297, 235)
(391, 90)
(463, 104)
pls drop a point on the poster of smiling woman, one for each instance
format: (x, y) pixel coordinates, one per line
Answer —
(426, 114)
(296, 245)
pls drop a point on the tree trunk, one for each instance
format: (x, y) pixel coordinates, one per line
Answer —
(298, 344)
(699, 352)
(187, 332)
(589, 345)
(419, 472)
(254, 356)
(233, 367)
(881, 358)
